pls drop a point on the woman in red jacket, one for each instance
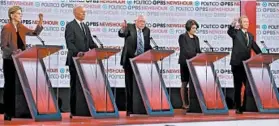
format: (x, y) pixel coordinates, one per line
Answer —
(13, 42)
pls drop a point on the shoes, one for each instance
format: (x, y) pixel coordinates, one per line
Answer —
(7, 118)
(128, 113)
(238, 111)
(185, 107)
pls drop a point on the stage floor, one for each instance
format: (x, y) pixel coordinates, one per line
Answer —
(179, 117)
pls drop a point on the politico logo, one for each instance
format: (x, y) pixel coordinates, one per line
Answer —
(150, 2)
(62, 23)
(4, 21)
(264, 4)
(197, 3)
(129, 2)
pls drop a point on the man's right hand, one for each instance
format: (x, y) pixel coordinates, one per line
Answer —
(80, 54)
(235, 20)
(124, 25)
(16, 51)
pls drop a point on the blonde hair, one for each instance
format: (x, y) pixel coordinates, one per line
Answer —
(13, 9)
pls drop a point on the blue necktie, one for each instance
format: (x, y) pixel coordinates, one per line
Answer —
(140, 47)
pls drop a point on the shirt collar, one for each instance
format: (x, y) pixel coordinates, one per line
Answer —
(78, 21)
(138, 29)
(243, 31)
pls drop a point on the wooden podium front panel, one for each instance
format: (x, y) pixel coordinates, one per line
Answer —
(95, 82)
(152, 86)
(264, 87)
(209, 87)
(39, 86)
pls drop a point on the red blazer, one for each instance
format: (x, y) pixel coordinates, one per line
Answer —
(9, 37)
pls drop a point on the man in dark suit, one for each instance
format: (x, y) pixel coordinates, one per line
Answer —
(78, 41)
(243, 42)
(137, 41)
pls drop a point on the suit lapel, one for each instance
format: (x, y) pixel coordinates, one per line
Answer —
(145, 36)
(250, 40)
(188, 39)
(134, 33)
(14, 36)
(242, 39)
(78, 27)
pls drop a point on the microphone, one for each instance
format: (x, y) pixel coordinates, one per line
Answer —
(154, 43)
(211, 48)
(42, 41)
(98, 40)
(267, 49)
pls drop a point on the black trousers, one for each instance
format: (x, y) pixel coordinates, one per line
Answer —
(129, 76)
(78, 104)
(134, 102)
(239, 78)
(9, 87)
(73, 80)
(15, 104)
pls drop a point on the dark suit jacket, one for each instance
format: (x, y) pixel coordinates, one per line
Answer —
(77, 41)
(188, 49)
(130, 46)
(240, 50)
(9, 37)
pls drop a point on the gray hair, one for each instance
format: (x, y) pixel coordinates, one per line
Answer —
(76, 7)
(140, 16)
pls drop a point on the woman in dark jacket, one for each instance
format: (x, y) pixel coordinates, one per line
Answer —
(189, 48)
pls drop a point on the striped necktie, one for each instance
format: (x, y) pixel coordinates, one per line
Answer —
(140, 46)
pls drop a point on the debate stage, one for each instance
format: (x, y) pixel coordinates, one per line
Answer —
(190, 119)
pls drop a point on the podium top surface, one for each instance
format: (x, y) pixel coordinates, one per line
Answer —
(153, 55)
(209, 56)
(98, 54)
(39, 51)
(263, 58)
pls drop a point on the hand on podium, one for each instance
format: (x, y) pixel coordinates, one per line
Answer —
(17, 51)
(80, 54)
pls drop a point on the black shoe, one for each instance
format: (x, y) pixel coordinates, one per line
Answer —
(238, 111)
(128, 113)
(71, 116)
(7, 118)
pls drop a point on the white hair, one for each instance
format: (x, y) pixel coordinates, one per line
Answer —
(140, 16)
(76, 7)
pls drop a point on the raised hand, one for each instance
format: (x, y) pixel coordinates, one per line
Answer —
(124, 25)
(41, 19)
(235, 20)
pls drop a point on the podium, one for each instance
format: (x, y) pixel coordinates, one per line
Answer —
(262, 82)
(206, 85)
(94, 83)
(150, 82)
(35, 82)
